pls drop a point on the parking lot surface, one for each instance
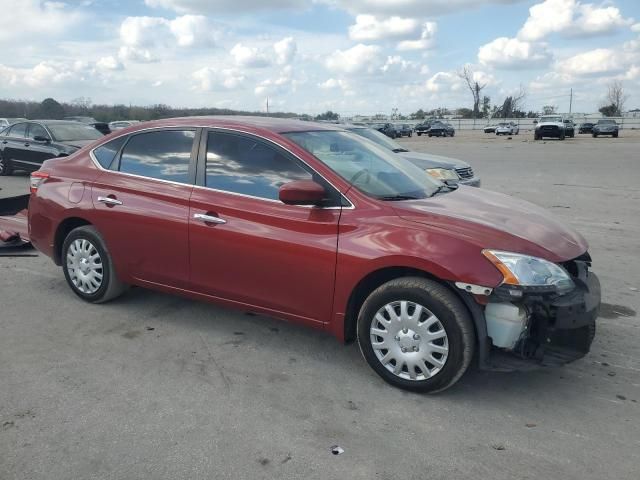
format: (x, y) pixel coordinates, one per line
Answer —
(155, 386)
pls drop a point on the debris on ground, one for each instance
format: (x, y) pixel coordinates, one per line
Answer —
(498, 446)
(337, 450)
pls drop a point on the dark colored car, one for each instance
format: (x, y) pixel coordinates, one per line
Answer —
(102, 127)
(441, 129)
(586, 127)
(605, 126)
(26, 145)
(404, 130)
(442, 168)
(569, 128)
(423, 128)
(387, 128)
(317, 225)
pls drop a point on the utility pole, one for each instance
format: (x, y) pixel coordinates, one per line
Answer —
(570, 100)
(267, 105)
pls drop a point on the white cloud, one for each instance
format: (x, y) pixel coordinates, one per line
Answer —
(572, 18)
(595, 62)
(426, 40)
(152, 32)
(207, 79)
(249, 57)
(511, 53)
(370, 28)
(412, 8)
(217, 6)
(36, 19)
(109, 63)
(133, 54)
(635, 27)
(285, 50)
(284, 83)
(358, 59)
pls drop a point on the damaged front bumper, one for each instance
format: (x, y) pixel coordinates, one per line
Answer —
(14, 224)
(556, 329)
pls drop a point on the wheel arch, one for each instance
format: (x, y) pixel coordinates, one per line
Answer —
(64, 228)
(378, 277)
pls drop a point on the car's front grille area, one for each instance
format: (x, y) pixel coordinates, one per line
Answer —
(465, 173)
(549, 128)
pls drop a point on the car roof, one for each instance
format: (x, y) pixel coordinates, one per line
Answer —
(275, 125)
(55, 122)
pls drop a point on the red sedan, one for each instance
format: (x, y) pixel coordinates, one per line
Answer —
(317, 225)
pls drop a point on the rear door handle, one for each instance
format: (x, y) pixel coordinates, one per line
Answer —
(209, 218)
(109, 201)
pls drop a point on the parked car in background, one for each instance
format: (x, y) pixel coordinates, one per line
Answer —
(423, 128)
(605, 126)
(26, 145)
(569, 128)
(120, 124)
(439, 167)
(5, 122)
(318, 226)
(550, 126)
(102, 127)
(404, 130)
(387, 128)
(509, 128)
(586, 127)
(441, 129)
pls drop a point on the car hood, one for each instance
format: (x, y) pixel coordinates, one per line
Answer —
(494, 220)
(77, 143)
(427, 160)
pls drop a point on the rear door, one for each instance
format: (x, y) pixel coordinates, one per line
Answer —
(142, 203)
(250, 248)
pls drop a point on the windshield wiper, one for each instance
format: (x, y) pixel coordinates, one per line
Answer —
(394, 198)
(399, 150)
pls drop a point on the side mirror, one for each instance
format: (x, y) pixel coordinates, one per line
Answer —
(302, 192)
(39, 138)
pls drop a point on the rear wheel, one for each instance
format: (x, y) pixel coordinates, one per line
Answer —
(416, 334)
(594, 135)
(88, 267)
(615, 135)
(5, 167)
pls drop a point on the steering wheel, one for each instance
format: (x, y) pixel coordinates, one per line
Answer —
(358, 174)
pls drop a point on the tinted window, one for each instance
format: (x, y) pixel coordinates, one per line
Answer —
(36, 130)
(164, 155)
(106, 153)
(18, 130)
(65, 132)
(244, 165)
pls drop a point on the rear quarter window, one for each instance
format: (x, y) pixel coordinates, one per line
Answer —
(105, 154)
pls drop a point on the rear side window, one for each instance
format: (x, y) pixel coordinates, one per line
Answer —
(106, 153)
(248, 166)
(18, 130)
(164, 155)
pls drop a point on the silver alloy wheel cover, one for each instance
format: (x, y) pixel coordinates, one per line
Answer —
(409, 340)
(84, 266)
(2, 165)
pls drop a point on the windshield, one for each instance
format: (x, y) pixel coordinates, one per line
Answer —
(364, 164)
(379, 138)
(65, 132)
(551, 119)
(606, 122)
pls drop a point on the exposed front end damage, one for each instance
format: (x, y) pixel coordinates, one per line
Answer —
(14, 225)
(532, 327)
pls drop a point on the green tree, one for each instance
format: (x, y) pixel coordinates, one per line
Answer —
(609, 110)
(328, 115)
(49, 108)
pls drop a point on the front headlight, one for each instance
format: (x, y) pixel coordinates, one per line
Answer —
(528, 271)
(443, 174)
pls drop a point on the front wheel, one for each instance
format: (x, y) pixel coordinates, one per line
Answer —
(594, 135)
(5, 167)
(416, 334)
(88, 267)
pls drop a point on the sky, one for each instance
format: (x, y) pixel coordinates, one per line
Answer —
(309, 56)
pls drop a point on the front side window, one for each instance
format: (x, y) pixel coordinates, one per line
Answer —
(36, 130)
(164, 155)
(372, 169)
(105, 154)
(19, 130)
(241, 164)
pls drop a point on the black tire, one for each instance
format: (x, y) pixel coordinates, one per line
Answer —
(410, 135)
(110, 287)
(429, 135)
(419, 134)
(561, 137)
(452, 316)
(594, 135)
(537, 137)
(615, 135)
(6, 168)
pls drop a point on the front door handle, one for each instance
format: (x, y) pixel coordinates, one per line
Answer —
(209, 218)
(109, 201)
